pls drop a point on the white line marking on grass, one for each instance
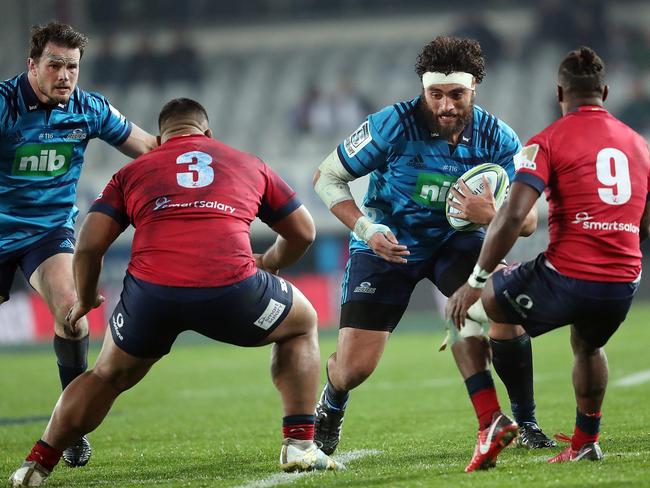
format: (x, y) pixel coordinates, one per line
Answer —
(346, 457)
(275, 479)
(634, 379)
(286, 478)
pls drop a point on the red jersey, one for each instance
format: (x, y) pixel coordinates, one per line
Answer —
(192, 201)
(595, 171)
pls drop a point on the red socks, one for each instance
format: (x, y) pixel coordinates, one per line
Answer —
(480, 387)
(300, 427)
(587, 429)
(485, 404)
(45, 455)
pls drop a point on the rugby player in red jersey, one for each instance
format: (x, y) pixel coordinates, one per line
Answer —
(192, 201)
(595, 172)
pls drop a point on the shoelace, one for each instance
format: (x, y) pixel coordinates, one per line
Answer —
(562, 437)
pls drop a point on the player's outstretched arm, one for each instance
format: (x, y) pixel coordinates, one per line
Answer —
(507, 225)
(138, 143)
(530, 223)
(95, 237)
(296, 232)
(501, 235)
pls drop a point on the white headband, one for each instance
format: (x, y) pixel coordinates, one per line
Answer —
(457, 77)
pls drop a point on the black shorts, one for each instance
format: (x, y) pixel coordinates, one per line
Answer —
(59, 241)
(148, 317)
(536, 296)
(375, 293)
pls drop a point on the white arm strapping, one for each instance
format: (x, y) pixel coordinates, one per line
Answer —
(365, 228)
(332, 185)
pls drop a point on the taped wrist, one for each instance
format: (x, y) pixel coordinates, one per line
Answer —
(365, 228)
(478, 278)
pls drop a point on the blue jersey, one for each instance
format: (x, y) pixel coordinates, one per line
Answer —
(412, 169)
(41, 153)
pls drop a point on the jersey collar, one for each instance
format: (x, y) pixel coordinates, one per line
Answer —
(587, 108)
(32, 103)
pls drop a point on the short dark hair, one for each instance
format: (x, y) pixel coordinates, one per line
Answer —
(448, 54)
(582, 72)
(181, 107)
(58, 33)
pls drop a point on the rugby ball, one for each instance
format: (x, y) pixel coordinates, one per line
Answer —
(499, 182)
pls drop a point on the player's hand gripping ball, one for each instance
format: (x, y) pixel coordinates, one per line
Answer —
(499, 182)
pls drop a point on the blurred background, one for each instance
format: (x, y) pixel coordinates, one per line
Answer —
(289, 79)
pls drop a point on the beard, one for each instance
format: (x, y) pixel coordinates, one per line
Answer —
(446, 131)
(53, 97)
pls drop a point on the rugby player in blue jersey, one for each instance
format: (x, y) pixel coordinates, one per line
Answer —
(46, 121)
(413, 152)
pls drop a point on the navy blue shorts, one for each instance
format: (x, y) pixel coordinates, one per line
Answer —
(538, 297)
(375, 293)
(58, 241)
(148, 317)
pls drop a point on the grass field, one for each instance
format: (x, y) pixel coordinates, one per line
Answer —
(208, 415)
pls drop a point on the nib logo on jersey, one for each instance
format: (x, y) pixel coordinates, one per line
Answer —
(431, 189)
(42, 160)
(588, 223)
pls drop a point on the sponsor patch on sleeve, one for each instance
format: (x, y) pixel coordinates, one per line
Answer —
(525, 159)
(357, 140)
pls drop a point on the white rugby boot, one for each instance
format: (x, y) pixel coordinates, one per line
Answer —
(297, 455)
(30, 473)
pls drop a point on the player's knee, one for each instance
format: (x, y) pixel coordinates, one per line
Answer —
(304, 314)
(583, 345)
(471, 329)
(477, 313)
(61, 305)
(505, 332)
(62, 329)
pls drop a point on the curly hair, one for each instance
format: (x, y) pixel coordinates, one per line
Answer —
(582, 72)
(448, 54)
(58, 33)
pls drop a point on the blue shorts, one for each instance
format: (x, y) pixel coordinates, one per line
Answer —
(536, 296)
(148, 317)
(375, 293)
(58, 241)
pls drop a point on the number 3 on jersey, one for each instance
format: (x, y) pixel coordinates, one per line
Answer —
(620, 178)
(200, 173)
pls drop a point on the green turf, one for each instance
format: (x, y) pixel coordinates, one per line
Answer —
(208, 415)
